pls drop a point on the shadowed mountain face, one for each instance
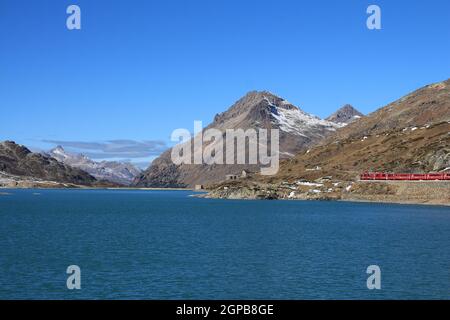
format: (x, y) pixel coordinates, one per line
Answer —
(408, 135)
(18, 160)
(346, 114)
(117, 172)
(256, 110)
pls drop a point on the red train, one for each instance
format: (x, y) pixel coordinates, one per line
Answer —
(404, 176)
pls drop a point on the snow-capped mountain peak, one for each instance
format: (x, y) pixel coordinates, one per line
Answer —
(59, 150)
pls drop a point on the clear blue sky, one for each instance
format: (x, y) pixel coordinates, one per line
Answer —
(139, 69)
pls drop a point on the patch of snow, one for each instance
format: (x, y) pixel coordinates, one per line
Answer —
(348, 187)
(287, 154)
(310, 184)
(314, 169)
(297, 121)
(269, 102)
(291, 195)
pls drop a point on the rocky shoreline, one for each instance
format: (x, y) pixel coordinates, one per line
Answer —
(404, 192)
(9, 181)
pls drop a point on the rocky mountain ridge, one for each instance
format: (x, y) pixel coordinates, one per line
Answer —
(19, 161)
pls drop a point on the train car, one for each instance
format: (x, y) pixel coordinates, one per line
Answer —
(405, 176)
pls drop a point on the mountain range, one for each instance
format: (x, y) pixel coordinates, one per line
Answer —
(113, 171)
(410, 134)
(18, 161)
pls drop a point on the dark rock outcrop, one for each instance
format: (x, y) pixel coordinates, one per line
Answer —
(346, 114)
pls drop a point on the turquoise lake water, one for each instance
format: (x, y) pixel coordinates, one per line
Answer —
(167, 245)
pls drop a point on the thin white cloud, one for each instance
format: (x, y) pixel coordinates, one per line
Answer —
(129, 149)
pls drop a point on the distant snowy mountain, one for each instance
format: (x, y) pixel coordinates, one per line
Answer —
(113, 171)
